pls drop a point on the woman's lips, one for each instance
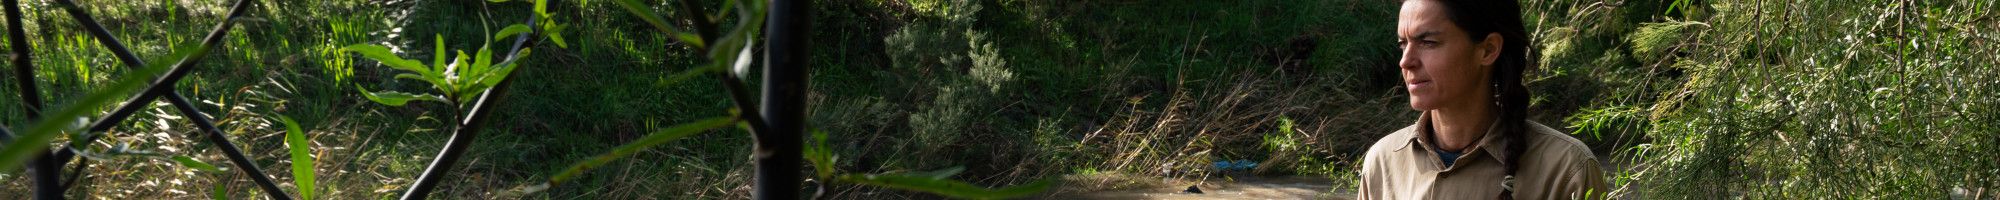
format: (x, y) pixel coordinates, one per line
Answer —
(1413, 85)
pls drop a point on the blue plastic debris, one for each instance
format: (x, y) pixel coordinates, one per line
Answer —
(1235, 165)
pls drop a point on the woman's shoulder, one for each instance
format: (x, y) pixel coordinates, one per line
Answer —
(1560, 165)
(1545, 141)
(1394, 141)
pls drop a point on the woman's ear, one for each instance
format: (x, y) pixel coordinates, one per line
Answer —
(1489, 49)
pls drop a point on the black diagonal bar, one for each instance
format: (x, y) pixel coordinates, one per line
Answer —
(124, 55)
(164, 86)
(778, 150)
(229, 148)
(131, 60)
(468, 130)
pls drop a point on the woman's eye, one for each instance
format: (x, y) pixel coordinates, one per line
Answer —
(1430, 43)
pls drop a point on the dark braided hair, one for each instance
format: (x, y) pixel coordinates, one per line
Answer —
(1479, 18)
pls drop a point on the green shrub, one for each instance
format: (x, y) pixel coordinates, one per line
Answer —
(966, 69)
(1794, 100)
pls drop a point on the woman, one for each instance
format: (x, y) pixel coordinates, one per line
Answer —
(1462, 62)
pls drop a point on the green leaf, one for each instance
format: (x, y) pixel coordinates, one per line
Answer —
(523, 54)
(394, 98)
(458, 64)
(555, 35)
(381, 54)
(218, 192)
(494, 75)
(190, 162)
(302, 160)
(438, 60)
(472, 92)
(946, 187)
(26, 144)
(656, 138)
(1284, 125)
(691, 39)
(454, 81)
(433, 81)
(489, 77)
(480, 62)
(821, 155)
(511, 30)
(542, 8)
(646, 14)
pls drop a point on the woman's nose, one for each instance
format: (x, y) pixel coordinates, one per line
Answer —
(1409, 60)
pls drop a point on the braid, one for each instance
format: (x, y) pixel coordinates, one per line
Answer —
(1512, 97)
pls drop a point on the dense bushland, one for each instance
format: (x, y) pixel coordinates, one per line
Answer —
(1686, 99)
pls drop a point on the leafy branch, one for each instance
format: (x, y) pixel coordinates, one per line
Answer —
(466, 76)
(471, 84)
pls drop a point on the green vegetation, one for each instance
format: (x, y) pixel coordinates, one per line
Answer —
(1685, 98)
(302, 161)
(1769, 100)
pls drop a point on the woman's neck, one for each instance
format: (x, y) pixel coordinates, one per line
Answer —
(1458, 129)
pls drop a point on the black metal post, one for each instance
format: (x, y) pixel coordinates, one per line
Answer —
(24, 67)
(47, 170)
(468, 130)
(48, 177)
(779, 154)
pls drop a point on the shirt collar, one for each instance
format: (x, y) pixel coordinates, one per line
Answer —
(1490, 142)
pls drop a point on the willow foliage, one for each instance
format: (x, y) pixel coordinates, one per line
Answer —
(1799, 99)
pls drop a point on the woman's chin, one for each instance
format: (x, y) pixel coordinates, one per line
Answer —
(1421, 105)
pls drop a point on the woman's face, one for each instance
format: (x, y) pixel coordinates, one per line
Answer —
(1442, 67)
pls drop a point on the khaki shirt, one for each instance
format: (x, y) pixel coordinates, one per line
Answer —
(1404, 165)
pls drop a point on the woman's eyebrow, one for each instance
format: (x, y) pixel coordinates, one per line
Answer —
(1425, 34)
